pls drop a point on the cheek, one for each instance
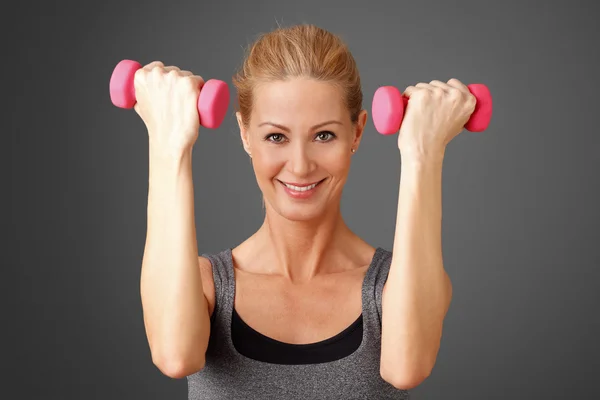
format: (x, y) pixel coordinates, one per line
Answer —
(267, 166)
(336, 162)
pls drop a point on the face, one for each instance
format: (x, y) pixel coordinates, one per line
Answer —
(300, 137)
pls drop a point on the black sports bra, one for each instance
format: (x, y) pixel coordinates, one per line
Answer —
(257, 346)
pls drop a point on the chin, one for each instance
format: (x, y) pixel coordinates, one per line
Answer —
(300, 213)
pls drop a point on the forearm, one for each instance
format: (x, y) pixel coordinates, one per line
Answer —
(416, 294)
(175, 309)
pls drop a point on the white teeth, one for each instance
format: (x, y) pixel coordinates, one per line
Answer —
(300, 189)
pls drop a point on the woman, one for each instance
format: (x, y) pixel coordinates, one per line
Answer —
(304, 308)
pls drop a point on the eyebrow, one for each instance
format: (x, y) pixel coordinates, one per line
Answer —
(284, 128)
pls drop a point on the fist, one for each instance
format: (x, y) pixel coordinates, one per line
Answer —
(436, 113)
(167, 99)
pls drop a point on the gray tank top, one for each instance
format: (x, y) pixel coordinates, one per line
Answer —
(230, 375)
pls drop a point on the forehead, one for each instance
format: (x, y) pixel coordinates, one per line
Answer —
(298, 100)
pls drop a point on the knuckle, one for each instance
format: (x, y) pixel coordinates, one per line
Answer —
(140, 74)
(193, 84)
(471, 100)
(157, 70)
(139, 77)
(154, 64)
(422, 94)
(187, 82)
(437, 92)
(455, 94)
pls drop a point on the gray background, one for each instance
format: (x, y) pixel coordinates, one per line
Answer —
(520, 200)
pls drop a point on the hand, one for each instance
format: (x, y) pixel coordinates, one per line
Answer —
(436, 113)
(167, 99)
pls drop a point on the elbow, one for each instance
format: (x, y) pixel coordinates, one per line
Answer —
(178, 368)
(403, 381)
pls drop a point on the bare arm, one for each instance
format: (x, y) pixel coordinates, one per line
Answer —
(176, 314)
(418, 291)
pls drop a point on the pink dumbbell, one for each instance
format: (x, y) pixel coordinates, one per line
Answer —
(213, 100)
(388, 109)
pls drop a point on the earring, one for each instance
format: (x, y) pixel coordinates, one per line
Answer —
(353, 151)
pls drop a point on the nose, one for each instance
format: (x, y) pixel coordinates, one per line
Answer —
(301, 162)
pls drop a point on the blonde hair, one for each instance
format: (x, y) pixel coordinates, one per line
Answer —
(303, 50)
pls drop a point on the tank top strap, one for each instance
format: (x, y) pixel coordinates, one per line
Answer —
(224, 280)
(372, 290)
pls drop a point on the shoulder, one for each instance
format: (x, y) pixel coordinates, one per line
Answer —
(382, 261)
(216, 271)
(379, 269)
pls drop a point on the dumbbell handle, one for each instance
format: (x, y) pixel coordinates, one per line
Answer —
(213, 100)
(389, 105)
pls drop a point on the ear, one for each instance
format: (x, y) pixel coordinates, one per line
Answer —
(243, 133)
(359, 128)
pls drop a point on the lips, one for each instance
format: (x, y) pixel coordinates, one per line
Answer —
(301, 184)
(304, 191)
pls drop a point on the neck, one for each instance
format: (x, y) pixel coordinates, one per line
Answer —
(299, 249)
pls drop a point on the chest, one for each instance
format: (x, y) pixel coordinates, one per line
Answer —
(299, 314)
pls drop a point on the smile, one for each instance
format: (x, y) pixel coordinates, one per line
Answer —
(300, 190)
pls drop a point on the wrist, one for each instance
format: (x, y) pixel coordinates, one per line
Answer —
(168, 162)
(421, 160)
(168, 152)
